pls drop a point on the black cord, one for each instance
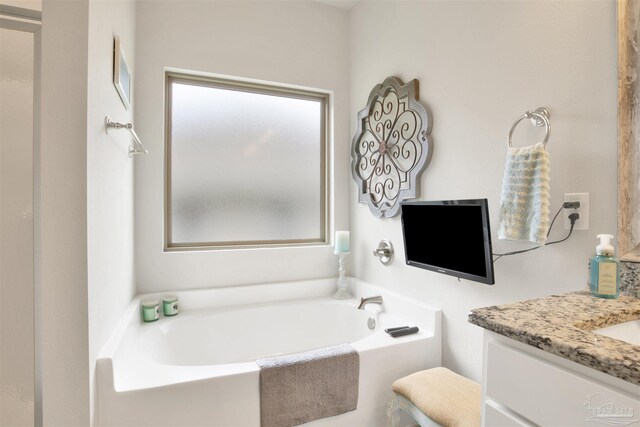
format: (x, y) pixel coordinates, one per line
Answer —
(554, 220)
(572, 217)
(537, 247)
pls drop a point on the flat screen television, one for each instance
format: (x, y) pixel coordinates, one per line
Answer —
(450, 237)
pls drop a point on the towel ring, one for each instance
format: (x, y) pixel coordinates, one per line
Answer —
(538, 117)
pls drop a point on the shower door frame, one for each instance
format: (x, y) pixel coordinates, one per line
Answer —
(30, 21)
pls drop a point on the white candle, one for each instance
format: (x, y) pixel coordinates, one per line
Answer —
(342, 241)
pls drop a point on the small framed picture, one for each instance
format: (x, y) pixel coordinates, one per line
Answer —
(121, 73)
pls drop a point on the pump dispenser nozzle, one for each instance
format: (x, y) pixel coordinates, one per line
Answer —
(605, 247)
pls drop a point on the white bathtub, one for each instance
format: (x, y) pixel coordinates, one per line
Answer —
(198, 368)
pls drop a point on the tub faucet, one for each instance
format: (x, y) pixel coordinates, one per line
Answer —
(370, 300)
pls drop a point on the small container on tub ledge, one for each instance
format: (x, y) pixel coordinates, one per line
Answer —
(170, 305)
(150, 310)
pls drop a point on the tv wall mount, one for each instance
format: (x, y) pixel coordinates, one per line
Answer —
(391, 147)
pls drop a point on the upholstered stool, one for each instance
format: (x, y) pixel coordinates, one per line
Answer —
(436, 397)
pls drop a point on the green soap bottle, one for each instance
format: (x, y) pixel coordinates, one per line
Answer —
(604, 276)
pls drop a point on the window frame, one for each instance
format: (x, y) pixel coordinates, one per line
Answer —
(252, 86)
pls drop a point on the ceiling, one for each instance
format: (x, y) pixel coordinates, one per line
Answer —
(343, 4)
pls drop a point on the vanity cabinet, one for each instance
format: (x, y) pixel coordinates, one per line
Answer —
(525, 386)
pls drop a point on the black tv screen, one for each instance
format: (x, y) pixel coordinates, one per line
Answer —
(449, 236)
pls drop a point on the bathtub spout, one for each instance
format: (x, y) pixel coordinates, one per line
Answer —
(370, 300)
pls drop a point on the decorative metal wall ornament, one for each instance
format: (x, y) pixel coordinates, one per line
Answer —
(391, 147)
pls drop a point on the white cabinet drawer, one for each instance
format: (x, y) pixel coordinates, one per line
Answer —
(549, 395)
(498, 416)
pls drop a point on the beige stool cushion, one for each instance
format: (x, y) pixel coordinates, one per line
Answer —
(447, 398)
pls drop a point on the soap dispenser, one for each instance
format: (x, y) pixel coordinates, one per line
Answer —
(604, 276)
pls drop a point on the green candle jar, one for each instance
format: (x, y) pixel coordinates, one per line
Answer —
(150, 310)
(170, 305)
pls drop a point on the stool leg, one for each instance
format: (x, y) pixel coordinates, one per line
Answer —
(401, 405)
(393, 412)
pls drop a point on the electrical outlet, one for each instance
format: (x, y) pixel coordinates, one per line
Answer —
(583, 222)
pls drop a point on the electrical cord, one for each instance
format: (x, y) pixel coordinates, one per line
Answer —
(537, 247)
(573, 218)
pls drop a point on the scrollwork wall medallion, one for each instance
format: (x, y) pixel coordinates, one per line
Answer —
(391, 147)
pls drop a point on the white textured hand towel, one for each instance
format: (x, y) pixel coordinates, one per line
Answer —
(524, 202)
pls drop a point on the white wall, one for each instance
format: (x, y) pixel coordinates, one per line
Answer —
(481, 65)
(62, 340)
(86, 202)
(109, 179)
(16, 228)
(299, 43)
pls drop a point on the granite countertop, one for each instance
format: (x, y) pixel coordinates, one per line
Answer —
(562, 325)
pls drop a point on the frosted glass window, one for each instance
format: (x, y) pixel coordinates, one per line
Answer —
(246, 164)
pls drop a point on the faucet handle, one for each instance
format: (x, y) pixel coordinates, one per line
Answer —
(384, 252)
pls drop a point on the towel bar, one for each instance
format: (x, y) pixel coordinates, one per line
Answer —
(136, 147)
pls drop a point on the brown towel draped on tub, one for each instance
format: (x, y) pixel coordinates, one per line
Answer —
(303, 387)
